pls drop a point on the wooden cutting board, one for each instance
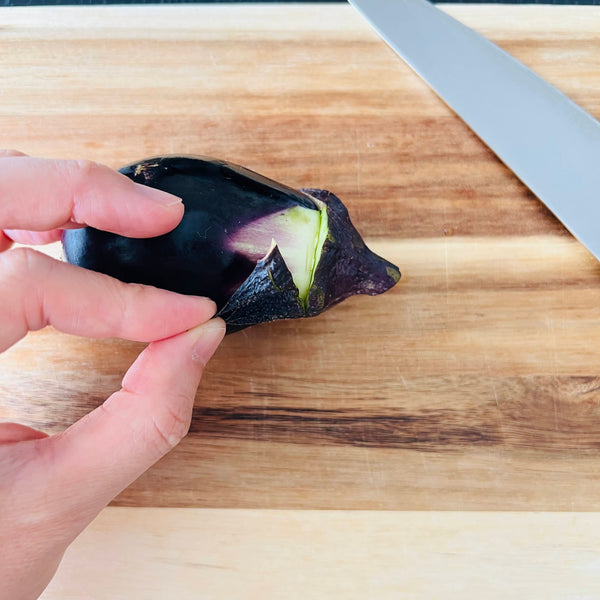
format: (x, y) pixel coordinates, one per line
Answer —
(474, 384)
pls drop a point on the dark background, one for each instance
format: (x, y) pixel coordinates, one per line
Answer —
(57, 2)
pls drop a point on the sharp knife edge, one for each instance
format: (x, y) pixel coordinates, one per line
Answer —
(546, 139)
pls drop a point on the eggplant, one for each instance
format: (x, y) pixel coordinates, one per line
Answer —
(261, 250)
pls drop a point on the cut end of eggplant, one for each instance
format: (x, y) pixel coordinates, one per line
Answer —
(298, 233)
(261, 250)
(347, 267)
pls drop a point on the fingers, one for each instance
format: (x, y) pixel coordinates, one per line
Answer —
(33, 237)
(41, 195)
(23, 236)
(5, 241)
(107, 450)
(11, 433)
(6, 153)
(36, 290)
(53, 488)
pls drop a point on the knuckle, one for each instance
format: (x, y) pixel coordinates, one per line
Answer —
(20, 270)
(154, 430)
(134, 294)
(20, 263)
(170, 426)
(79, 169)
(128, 300)
(81, 176)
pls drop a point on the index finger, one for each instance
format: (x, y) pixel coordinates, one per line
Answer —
(41, 195)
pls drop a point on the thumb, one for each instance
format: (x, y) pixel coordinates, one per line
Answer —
(100, 455)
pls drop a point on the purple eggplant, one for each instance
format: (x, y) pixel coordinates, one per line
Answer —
(261, 250)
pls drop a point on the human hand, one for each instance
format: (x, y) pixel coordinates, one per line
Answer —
(52, 487)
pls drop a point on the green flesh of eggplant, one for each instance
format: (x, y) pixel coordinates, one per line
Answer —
(261, 250)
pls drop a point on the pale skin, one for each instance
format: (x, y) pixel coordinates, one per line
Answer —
(52, 487)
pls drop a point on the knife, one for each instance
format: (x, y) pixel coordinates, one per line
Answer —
(550, 143)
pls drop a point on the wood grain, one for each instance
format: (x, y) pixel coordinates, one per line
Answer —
(474, 384)
(334, 554)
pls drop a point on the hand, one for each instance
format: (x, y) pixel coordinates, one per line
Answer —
(52, 487)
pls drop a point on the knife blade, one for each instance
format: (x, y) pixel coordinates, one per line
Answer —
(549, 142)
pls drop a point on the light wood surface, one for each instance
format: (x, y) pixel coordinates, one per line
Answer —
(473, 385)
(256, 554)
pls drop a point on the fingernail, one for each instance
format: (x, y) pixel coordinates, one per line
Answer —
(207, 338)
(158, 196)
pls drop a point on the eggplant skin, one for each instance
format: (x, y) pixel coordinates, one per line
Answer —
(269, 294)
(221, 198)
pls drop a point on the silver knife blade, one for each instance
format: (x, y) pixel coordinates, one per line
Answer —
(546, 139)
